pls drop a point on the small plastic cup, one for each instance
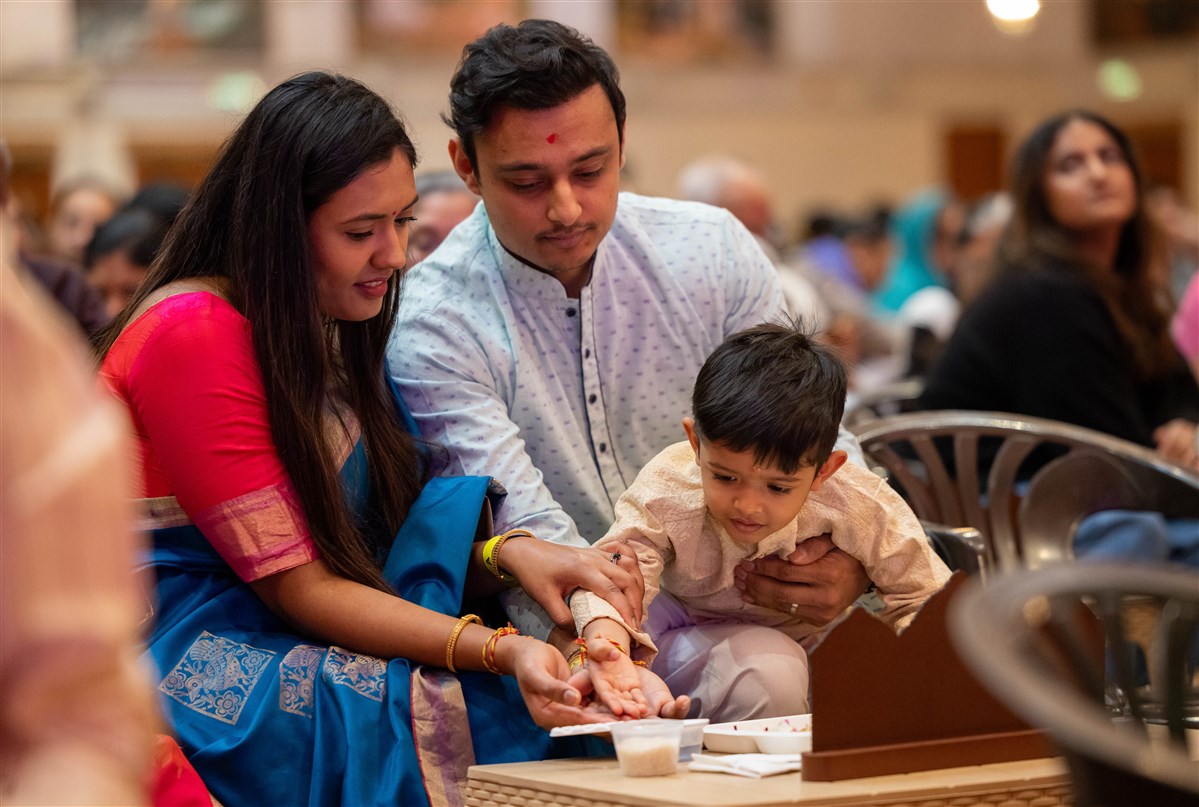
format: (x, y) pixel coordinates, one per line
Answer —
(693, 738)
(648, 747)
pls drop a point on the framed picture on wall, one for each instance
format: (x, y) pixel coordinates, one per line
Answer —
(121, 30)
(391, 27)
(686, 32)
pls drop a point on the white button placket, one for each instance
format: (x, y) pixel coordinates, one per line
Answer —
(602, 445)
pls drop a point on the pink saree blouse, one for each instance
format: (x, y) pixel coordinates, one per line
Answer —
(187, 373)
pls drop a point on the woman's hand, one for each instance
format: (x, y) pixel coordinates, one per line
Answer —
(549, 572)
(623, 555)
(541, 673)
(1178, 442)
(816, 583)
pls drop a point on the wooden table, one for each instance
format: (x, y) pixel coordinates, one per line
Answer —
(599, 783)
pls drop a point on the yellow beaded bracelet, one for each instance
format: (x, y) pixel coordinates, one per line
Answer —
(453, 642)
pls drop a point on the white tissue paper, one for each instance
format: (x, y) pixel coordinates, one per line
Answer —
(754, 766)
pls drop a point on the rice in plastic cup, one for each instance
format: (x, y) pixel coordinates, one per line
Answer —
(648, 747)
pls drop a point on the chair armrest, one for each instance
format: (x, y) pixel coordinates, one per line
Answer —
(1067, 490)
(962, 548)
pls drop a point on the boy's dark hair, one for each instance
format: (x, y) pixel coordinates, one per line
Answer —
(537, 64)
(774, 389)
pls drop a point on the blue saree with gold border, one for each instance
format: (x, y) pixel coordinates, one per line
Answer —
(267, 718)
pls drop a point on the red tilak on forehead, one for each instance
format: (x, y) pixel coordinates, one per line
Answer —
(551, 138)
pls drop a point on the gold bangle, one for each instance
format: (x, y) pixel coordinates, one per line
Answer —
(453, 642)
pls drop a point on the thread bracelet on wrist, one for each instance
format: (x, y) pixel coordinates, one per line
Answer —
(489, 648)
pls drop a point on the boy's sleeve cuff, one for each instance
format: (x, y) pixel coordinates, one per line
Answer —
(587, 607)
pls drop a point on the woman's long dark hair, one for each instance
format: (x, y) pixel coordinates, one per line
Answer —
(1035, 240)
(248, 223)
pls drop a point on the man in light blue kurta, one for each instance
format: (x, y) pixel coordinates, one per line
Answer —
(563, 400)
(553, 339)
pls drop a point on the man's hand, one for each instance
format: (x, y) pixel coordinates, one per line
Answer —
(816, 583)
(549, 572)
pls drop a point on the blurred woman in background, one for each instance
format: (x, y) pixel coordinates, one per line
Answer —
(1075, 324)
(923, 230)
(77, 208)
(120, 253)
(123, 247)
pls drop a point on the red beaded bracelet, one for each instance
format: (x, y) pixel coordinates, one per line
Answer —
(489, 648)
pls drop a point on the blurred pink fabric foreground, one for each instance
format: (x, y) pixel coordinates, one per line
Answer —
(77, 716)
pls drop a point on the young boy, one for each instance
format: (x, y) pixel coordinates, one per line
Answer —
(757, 474)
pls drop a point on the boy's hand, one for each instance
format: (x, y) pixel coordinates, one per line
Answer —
(615, 680)
(660, 700)
(816, 583)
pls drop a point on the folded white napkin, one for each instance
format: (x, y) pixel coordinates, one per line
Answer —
(754, 766)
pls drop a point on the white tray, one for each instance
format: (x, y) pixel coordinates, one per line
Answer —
(606, 728)
(771, 735)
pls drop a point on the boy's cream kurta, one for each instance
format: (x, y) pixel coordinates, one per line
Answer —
(682, 550)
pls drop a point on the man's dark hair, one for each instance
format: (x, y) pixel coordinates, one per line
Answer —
(773, 389)
(537, 64)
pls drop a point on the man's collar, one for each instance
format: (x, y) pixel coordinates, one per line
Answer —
(527, 279)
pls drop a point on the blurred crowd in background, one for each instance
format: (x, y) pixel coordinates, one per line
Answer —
(890, 282)
(886, 283)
